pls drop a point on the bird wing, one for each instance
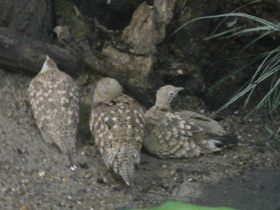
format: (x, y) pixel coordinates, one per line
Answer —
(54, 102)
(38, 100)
(118, 128)
(117, 124)
(211, 127)
(68, 116)
(172, 136)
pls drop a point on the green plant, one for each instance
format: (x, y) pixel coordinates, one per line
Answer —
(272, 133)
(178, 205)
(269, 61)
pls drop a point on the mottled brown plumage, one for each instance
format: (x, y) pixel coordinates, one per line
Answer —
(117, 124)
(211, 127)
(173, 135)
(54, 99)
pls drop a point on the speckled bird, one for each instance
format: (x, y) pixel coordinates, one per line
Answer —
(117, 124)
(175, 135)
(54, 100)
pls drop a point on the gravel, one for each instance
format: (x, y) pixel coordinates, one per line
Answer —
(34, 175)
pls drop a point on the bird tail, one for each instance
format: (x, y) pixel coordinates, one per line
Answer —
(70, 148)
(126, 171)
(124, 164)
(72, 165)
(227, 141)
(67, 147)
(217, 143)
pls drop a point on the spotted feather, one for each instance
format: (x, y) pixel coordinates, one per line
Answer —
(54, 100)
(117, 124)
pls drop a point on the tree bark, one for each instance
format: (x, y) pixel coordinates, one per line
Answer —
(20, 53)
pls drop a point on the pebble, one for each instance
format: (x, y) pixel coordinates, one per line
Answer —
(202, 111)
(73, 168)
(172, 172)
(23, 208)
(41, 173)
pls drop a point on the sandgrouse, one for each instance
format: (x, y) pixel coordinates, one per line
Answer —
(54, 100)
(117, 124)
(177, 135)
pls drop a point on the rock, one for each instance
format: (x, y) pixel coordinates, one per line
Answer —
(32, 18)
(138, 67)
(147, 27)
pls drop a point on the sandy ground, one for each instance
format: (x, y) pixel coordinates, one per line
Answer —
(34, 175)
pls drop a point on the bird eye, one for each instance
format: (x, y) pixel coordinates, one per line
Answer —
(170, 93)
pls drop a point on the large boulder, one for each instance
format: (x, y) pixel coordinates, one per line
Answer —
(32, 18)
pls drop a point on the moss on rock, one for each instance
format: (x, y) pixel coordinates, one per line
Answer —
(66, 15)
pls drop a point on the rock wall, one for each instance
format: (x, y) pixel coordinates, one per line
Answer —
(32, 18)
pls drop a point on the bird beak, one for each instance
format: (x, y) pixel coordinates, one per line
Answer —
(178, 89)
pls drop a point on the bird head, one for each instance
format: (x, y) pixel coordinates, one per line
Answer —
(49, 64)
(106, 90)
(166, 94)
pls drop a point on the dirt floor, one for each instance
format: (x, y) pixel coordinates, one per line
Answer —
(35, 175)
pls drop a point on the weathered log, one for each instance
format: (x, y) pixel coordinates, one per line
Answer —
(131, 59)
(21, 53)
(133, 82)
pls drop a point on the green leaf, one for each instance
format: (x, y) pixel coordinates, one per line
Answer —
(178, 205)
